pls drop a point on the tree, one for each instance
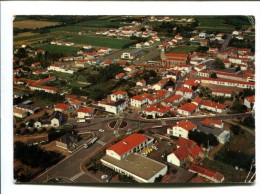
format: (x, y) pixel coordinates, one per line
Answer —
(238, 68)
(237, 106)
(169, 83)
(18, 131)
(236, 129)
(213, 75)
(152, 73)
(203, 139)
(21, 53)
(219, 64)
(143, 29)
(22, 125)
(249, 121)
(158, 179)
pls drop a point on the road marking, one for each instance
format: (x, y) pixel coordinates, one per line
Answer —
(101, 142)
(76, 176)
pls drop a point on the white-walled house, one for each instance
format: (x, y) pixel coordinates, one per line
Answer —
(249, 102)
(119, 95)
(187, 109)
(139, 100)
(181, 129)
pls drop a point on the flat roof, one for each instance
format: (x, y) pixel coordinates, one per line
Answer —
(137, 164)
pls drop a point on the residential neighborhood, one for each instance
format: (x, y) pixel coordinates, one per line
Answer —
(134, 99)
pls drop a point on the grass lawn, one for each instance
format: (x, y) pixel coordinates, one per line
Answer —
(42, 102)
(100, 41)
(231, 175)
(183, 49)
(64, 76)
(66, 50)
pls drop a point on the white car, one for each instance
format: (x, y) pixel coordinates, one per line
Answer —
(101, 130)
(154, 147)
(104, 176)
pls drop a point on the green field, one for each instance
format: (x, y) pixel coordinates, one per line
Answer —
(66, 50)
(33, 37)
(213, 23)
(100, 41)
(101, 23)
(183, 49)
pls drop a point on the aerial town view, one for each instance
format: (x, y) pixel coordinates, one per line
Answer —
(133, 99)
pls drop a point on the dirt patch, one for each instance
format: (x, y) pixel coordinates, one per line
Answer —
(52, 147)
(23, 34)
(33, 24)
(123, 124)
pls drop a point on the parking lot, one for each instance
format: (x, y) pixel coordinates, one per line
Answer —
(164, 148)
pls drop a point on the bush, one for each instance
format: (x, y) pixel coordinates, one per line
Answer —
(236, 129)
(22, 125)
(249, 121)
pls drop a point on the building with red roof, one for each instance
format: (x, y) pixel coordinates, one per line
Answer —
(181, 129)
(86, 112)
(131, 144)
(249, 102)
(172, 100)
(213, 106)
(187, 109)
(123, 157)
(187, 151)
(155, 111)
(61, 107)
(121, 76)
(141, 83)
(191, 83)
(222, 92)
(176, 59)
(139, 100)
(216, 177)
(185, 92)
(213, 123)
(197, 101)
(228, 82)
(119, 95)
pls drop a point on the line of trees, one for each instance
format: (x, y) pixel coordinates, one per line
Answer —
(203, 139)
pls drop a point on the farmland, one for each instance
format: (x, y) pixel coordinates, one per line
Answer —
(212, 23)
(33, 24)
(66, 50)
(101, 41)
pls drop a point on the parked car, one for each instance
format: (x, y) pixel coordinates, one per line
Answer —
(101, 130)
(104, 176)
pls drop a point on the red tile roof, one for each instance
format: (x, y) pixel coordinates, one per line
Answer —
(120, 92)
(187, 148)
(189, 107)
(250, 99)
(157, 109)
(86, 109)
(185, 90)
(214, 104)
(173, 98)
(228, 80)
(222, 91)
(141, 97)
(197, 100)
(128, 143)
(209, 173)
(208, 121)
(187, 125)
(62, 106)
(192, 82)
(120, 75)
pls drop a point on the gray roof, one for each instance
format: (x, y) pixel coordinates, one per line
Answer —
(210, 130)
(136, 164)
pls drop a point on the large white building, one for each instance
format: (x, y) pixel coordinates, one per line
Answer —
(140, 100)
(122, 157)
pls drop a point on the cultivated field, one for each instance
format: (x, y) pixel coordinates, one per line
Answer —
(100, 41)
(66, 50)
(33, 24)
(211, 23)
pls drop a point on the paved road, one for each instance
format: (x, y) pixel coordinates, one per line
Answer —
(225, 44)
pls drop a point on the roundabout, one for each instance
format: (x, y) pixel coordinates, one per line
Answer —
(117, 124)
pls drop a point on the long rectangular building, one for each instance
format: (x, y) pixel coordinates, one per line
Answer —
(136, 166)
